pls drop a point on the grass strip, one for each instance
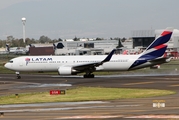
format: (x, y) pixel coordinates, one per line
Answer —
(84, 94)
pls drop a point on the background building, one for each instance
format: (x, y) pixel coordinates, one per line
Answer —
(143, 38)
(85, 47)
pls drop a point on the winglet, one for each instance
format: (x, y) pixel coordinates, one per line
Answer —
(109, 56)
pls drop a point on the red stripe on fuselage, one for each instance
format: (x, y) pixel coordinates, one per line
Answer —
(165, 33)
(160, 46)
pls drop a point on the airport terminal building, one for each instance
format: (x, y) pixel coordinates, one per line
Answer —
(97, 47)
(140, 39)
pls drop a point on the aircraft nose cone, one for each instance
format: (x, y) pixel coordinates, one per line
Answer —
(6, 65)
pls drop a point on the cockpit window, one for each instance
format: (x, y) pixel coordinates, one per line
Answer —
(11, 61)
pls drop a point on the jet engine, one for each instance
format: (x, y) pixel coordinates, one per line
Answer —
(66, 71)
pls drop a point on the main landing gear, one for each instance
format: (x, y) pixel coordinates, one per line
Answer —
(89, 72)
(18, 75)
(88, 75)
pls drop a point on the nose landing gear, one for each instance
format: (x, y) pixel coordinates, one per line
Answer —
(18, 75)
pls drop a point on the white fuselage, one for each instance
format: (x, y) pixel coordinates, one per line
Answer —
(52, 63)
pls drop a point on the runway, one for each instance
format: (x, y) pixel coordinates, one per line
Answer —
(114, 109)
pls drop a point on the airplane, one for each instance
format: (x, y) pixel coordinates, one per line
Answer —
(15, 50)
(72, 65)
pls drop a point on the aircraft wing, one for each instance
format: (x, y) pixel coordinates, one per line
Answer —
(88, 66)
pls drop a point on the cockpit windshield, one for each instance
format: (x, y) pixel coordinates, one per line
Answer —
(10, 61)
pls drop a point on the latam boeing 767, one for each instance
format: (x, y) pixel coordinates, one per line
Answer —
(72, 65)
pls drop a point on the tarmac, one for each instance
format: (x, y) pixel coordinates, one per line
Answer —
(154, 107)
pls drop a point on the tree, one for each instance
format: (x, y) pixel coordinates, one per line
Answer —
(123, 39)
(29, 41)
(76, 39)
(10, 38)
(14, 43)
(44, 39)
(59, 39)
(99, 38)
(117, 38)
(2, 43)
(21, 43)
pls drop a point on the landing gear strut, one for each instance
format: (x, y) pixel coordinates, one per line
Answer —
(89, 72)
(18, 75)
(88, 75)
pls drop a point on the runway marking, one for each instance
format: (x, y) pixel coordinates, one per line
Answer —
(52, 104)
(37, 85)
(90, 117)
(62, 108)
(174, 85)
(139, 83)
(154, 116)
(54, 109)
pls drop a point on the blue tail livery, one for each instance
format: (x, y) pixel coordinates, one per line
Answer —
(155, 50)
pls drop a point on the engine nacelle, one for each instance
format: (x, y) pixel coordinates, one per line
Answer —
(65, 70)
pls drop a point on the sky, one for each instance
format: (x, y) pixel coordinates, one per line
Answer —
(67, 19)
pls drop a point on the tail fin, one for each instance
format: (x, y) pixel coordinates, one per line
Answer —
(158, 47)
(154, 51)
(7, 48)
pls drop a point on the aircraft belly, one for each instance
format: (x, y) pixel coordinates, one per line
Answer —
(116, 66)
(147, 64)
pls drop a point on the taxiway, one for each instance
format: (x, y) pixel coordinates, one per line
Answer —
(114, 109)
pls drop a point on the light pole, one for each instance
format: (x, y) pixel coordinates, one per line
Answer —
(23, 22)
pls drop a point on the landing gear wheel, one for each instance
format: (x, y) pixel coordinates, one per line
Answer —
(88, 75)
(85, 76)
(92, 76)
(18, 75)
